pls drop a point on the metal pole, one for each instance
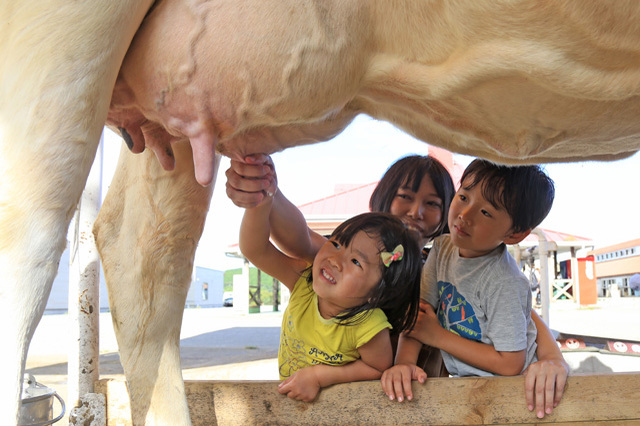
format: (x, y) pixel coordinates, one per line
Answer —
(544, 274)
(84, 288)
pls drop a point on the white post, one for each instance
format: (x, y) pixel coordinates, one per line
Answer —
(84, 288)
(544, 274)
(241, 289)
(517, 254)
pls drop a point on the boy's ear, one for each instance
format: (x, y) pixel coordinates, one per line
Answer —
(516, 237)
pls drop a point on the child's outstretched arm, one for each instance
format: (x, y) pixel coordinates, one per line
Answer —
(290, 232)
(255, 245)
(375, 357)
(545, 379)
(249, 183)
(481, 355)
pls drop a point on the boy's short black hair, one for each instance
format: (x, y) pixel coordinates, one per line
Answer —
(525, 192)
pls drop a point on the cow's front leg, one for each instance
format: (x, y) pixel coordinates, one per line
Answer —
(59, 63)
(147, 232)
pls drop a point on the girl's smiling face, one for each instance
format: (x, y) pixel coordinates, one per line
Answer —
(344, 276)
(421, 211)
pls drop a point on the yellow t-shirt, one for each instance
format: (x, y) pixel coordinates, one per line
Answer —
(307, 339)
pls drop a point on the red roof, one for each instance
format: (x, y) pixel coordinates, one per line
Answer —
(347, 202)
(557, 237)
(354, 199)
(324, 214)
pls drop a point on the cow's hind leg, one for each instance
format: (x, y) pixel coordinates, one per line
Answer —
(147, 232)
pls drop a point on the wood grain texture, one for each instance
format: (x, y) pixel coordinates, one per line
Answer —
(588, 399)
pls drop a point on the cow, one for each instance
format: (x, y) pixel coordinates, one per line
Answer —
(515, 82)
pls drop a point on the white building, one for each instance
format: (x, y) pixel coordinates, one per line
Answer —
(207, 288)
(205, 291)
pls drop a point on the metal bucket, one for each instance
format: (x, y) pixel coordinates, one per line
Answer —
(37, 403)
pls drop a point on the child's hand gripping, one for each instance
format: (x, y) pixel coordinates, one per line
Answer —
(544, 385)
(251, 181)
(396, 381)
(303, 385)
(427, 328)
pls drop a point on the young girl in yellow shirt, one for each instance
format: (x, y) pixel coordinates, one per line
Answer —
(364, 280)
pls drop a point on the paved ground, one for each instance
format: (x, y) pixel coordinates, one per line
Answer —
(221, 344)
(215, 344)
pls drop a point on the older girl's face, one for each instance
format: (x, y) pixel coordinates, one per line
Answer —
(421, 211)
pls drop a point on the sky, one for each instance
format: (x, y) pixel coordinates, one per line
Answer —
(596, 200)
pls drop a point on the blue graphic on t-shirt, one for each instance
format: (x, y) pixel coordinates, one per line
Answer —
(455, 314)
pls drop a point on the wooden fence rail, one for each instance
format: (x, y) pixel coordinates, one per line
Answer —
(588, 399)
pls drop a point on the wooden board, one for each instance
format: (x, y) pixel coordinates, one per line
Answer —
(588, 399)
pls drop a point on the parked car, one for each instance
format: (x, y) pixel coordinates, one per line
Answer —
(228, 301)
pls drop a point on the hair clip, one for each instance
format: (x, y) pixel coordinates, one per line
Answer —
(396, 254)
